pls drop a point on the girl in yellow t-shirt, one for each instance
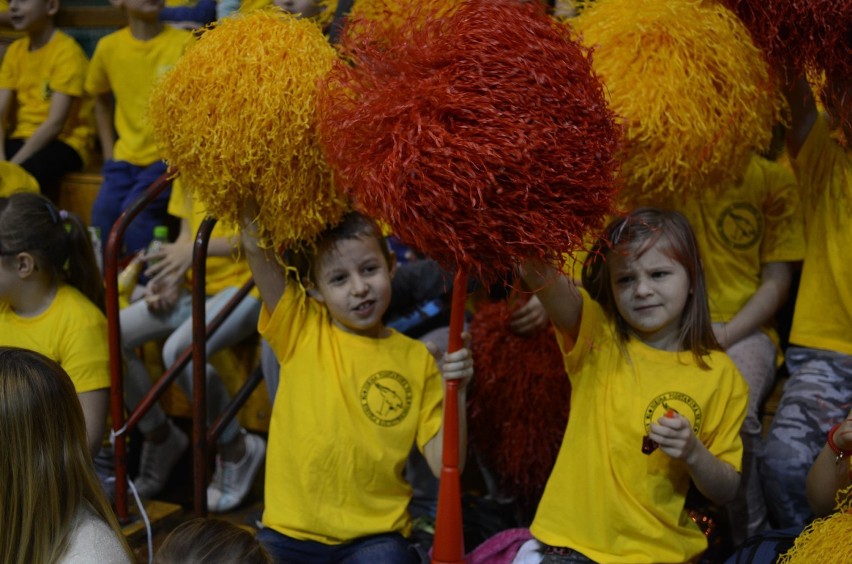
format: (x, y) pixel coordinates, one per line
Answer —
(52, 298)
(655, 404)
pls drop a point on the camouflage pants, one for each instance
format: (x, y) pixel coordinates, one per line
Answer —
(817, 395)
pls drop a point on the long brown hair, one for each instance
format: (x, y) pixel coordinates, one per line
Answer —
(58, 240)
(634, 234)
(46, 472)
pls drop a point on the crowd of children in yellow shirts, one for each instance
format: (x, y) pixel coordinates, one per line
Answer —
(662, 295)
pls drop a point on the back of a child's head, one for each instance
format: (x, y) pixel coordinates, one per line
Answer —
(45, 468)
(631, 236)
(353, 225)
(211, 541)
(58, 241)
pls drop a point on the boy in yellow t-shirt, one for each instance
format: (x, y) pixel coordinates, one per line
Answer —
(354, 397)
(41, 81)
(124, 67)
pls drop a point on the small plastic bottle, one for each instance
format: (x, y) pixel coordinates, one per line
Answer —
(161, 235)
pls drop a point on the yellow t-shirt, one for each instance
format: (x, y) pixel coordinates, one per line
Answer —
(128, 68)
(823, 315)
(605, 498)
(72, 331)
(740, 228)
(33, 76)
(221, 272)
(15, 179)
(247, 6)
(348, 410)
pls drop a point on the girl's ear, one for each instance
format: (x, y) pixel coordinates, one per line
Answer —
(25, 265)
(52, 7)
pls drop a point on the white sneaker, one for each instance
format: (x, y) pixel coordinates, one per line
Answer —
(232, 480)
(158, 460)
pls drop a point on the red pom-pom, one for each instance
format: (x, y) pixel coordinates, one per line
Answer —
(519, 405)
(480, 138)
(814, 34)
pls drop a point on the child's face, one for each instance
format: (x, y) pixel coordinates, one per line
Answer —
(353, 280)
(31, 15)
(650, 293)
(306, 8)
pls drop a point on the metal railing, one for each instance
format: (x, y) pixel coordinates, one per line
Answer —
(201, 331)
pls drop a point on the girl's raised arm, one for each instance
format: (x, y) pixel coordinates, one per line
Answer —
(557, 292)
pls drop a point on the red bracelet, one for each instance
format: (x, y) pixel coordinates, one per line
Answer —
(841, 454)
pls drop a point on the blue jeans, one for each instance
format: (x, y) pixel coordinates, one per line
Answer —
(125, 183)
(391, 548)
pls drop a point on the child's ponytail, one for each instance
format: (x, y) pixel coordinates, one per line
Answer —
(81, 268)
(58, 240)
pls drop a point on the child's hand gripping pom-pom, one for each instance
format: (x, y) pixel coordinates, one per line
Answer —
(479, 138)
(236, 117)
(693, 90)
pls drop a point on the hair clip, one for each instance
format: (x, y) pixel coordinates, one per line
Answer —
(54, 217)
(63, 215)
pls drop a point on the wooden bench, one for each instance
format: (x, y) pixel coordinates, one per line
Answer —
(78, 190)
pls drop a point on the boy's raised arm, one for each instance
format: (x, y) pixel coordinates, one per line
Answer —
(270, 275)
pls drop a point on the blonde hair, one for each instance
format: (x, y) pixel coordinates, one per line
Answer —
(211, 541)
(46, 472)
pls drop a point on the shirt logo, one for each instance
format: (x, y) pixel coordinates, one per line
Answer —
(46, 91)
(740, 225)
(386, 398)
(680, 403)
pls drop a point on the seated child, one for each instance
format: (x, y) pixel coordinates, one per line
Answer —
(122, 73)
(52, 298)
(819, 358)
(41, 81)
(354, 396)
(655, 405)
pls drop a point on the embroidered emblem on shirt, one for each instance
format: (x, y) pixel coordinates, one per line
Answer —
(740, 225)
(46, 91)
(386, 398)
(678, 402)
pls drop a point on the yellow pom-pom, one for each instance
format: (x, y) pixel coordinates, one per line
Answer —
(377, 18)
(236, 117)
(825, 540)
(693, 91)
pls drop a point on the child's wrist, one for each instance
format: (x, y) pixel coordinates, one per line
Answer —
(840, 451)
